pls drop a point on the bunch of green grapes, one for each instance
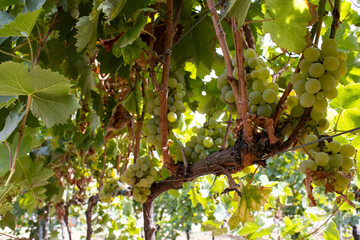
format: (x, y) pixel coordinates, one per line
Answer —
(141, 175)
(320, 73)
(262, 94)
(175, 110)
(329, 157)
(109, 190)
(206, 139)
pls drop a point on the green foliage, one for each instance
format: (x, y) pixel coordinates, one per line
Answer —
(287, 23)
(22, 26)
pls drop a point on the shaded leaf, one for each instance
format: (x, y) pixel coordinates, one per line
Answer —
(288, 25)
(347, 104)
(133, 33)
(111, 8)
(5, 101)
(21, 26)
(238, 9)
(86, 35)
(5, 3)
(51, 101)
(331, 232)
(11, 123)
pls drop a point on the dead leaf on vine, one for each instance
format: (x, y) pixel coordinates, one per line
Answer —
(118, 121)
(329, 188)
(109, 43)
(142, 62)
(307, 182)
(313, 9)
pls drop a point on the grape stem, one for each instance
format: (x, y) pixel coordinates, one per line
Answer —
(221, 36)
(336, 19)
(229, 122)
(243, 98)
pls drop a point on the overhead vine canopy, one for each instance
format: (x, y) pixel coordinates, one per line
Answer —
(113, 107)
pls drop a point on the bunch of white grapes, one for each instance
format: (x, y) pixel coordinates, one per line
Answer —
(141, 175)
(320, 73)
(329, 157)
(175, 110)
(206, 139)
(111, 186)
(262, 94)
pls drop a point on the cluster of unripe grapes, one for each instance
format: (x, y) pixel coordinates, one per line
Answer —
(262, 94)
(330, 157)
(206, 139)
(111, 186)
(175, 109)
(141, 175)
(320, 73)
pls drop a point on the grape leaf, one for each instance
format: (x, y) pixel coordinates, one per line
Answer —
(331, 232)
(32, 5)
(238, 9)
(111, 8)
(49, 90)
(287, 26)
(252, 199)
(87, 32)
(5, 3)
(11, 123)
(5, 101)
(22, 26)
(347, 105)
(133, 33)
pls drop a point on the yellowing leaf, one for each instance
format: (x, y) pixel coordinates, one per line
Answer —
(252, 199)
(287, 26)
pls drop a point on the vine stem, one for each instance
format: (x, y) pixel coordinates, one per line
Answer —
(21, 132)
(31, 49)
(229, 122)
(14, 56)
(221, 36)
(336, 19)
(240, 63)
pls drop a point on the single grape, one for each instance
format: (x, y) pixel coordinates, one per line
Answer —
(258, 85)
(222, 80)
(331, 63)
(139, 173)
(334, 147)
(319, 182)
(229, 96)
(312, 85)
(307, 99)
(200, 139)
(331, 94)
(297, 111)
(198, 148)
(178, 96)
(308, 164)
(342, 67)
(347, 150)
(249, 53)
(321, 158)
(292, 101)
(253, 108)
(178, 104)
(316, 70)
(335, 160)
(201, 131)
(342, 55)
(327, 81)
(264, 110)
(319, 95)
(263, 73)
(269, 95)
(347, 163)
(208, 142)
(179, 86)
(316, 115)
(320, 104)
(225, 89)
(171, 117)
(157, 111)
(172, 82)
(219, 142)
(311, 54)
(329, 51)
(252, 62)
(299, 87)
(341, 180)
(328, 42)
(295, 77)
(255, 97)
(273, 86)
(305, 65)
(311, 138)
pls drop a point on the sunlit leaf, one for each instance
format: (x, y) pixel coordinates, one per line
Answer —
(21, 26)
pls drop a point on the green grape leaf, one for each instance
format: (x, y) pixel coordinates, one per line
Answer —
(87, 33)
(287, 23)
(347, 104)
(331, 232)
(11, 122)
(133, 33)
(6, 3)
(21, 26)
(49, 90)
(238, 9)
(111, 8)
(253, 197)
(32, 173)
(86, 80)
